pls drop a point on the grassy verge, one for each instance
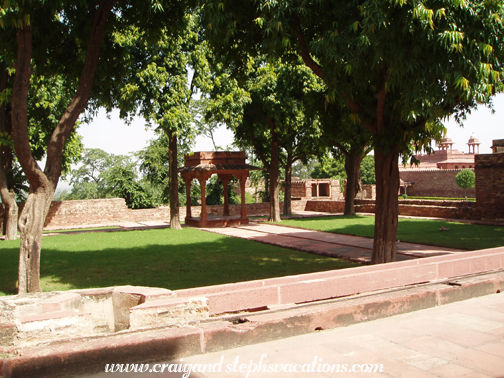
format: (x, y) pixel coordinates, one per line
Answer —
(442, 198)
(459, 235)
(159, 258)
(80, 229)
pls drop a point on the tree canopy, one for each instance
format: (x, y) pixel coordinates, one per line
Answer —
(67, 38)
(395, 65)
(466, 179)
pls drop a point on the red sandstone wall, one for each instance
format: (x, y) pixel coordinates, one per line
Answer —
(114, 211)
(424, 208)
(298, 189)
(434, 183)
(325, 206)
(490, 185)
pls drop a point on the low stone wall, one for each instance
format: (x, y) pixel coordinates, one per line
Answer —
(490, 185)
(425, 208)
(66, 214)
(325, 206)
(434, 183)
(113, 211)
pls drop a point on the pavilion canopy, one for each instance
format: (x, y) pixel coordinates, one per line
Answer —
(202, 165)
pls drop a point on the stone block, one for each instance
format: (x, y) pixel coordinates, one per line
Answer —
(239, 300)
(126, 297)
(122, 302)
(53, 325)
(7, 334)
(206, 290)
(168, 312)
(62, 302)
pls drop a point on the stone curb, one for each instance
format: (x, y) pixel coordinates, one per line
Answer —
(90, 355)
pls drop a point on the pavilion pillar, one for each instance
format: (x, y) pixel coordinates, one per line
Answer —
(202, 180)
(243, 181)
(188, 182)
(225, 182)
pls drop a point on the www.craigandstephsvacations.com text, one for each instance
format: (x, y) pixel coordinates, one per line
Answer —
(247, 369)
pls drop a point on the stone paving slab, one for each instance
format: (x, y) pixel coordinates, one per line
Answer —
(436, 342)
(325, 243)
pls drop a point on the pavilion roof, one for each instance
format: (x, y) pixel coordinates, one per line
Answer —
(217, 168)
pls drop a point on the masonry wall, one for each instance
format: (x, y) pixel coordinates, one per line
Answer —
(434, 183)
(113, 211)
(490, 185)
(425, 208)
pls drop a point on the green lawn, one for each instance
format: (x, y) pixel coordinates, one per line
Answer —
(159, 258)
(442, 198)
(460, 235)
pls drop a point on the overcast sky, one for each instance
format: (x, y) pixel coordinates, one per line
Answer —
(114, 136)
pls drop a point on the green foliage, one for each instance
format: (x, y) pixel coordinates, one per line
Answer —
(163, 76)
(303, 170)
(368, 170)
(103, 175)
(215, 192)
(466, 179)
(396, 66)
(443, 198)
(329, 168)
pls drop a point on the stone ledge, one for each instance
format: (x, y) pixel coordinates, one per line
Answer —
(89, 355)
(67, 301)
(174, 311)
(344, 282)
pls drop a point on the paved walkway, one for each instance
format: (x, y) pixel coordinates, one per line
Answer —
(325, 243)
(463, 339)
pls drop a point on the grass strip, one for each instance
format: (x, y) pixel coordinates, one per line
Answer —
(159, 258)
(423, 231)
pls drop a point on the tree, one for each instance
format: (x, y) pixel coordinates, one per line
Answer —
(466, 179)
(155, 167)
(47, 97)
(349, 141)
(104, 175)
(161, 89)
(77, 31)
(329, 168)
(396, 65)
(205, 126)
(277, 122)
(215, 192)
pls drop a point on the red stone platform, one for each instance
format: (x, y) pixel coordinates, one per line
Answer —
(216, 221)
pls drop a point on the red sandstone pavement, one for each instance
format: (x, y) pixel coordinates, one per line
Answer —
(462, 339)
(347, 246)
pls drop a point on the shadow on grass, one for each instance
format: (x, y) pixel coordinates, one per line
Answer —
(422, 231)
(158, 258)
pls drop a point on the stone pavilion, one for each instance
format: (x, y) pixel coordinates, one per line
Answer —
(226, 164)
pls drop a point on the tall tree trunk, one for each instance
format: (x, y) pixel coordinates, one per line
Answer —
(31, 224)
(173, 182)
(288, 186)
(274, 171)
(352, 168)
(10, 211)
(43, 184)
(386, 208)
